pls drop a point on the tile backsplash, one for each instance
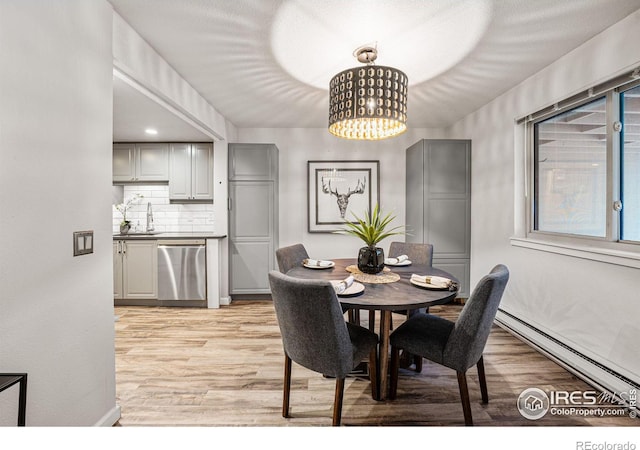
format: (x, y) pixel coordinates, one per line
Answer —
(167, 217)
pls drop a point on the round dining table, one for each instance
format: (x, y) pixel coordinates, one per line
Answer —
(398, 296)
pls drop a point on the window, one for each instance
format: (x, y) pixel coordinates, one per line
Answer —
(570, 171)
(630, 166)
(585, 160)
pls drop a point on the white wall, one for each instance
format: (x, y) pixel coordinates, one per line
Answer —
(56, 319)
(299, 145)
(220, 210)
(588, 305)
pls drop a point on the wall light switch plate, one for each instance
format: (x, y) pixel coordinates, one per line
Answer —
(82, 242)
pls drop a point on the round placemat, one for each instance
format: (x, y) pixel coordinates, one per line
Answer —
(385, 277)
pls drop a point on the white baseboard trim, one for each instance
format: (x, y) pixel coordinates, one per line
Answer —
(110, 418)
(583, 367)
(226, 301)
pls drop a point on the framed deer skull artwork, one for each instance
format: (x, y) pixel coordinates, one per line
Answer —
(339, 189)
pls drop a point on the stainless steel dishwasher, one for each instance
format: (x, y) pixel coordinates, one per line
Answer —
(182, 269)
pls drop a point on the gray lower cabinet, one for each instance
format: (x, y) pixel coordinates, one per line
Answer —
(135, 269)
(253, 217)
(438, 199)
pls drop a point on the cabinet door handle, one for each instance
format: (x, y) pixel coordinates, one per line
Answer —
(229, 203)
(124, 247)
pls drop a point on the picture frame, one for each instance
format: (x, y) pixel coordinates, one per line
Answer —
(338, 189)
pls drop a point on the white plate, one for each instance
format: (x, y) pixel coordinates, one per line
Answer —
(428, 285)
(313, 266)
(406, 262)
(355, 289)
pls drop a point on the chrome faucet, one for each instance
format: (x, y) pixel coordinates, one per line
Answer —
(149, 217)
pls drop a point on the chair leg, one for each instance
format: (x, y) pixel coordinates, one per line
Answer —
(287, 386)
(417, 360)
(337, 402)
(464, 397)
(395, 367)
(372, 320)
(482, 380)
(373, 374)
(407, 359)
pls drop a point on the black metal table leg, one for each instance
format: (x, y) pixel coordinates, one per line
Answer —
(9, 379)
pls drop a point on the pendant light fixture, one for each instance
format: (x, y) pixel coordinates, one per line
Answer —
(368, 102)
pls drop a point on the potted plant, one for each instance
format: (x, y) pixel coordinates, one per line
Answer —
(125, 225)
(371, 229)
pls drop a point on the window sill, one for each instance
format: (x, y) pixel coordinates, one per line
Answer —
(605, 255)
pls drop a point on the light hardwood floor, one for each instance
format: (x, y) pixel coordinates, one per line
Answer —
(224, 367)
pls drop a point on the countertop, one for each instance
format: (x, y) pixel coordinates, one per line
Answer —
(170, 235)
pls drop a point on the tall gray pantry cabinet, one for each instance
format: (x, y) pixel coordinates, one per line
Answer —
(438, 208)
(253, 217)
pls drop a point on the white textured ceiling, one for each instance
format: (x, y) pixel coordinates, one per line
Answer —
(262, 63)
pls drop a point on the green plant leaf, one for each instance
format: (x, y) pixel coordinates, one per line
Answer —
(372, 228)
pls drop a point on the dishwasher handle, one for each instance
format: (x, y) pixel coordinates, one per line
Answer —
(181, 243)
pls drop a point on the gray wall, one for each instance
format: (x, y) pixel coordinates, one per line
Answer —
(56, 311)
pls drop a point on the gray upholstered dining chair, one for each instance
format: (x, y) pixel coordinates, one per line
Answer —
(457, 345)
(327, 344)
(418, 253)
(291, 256)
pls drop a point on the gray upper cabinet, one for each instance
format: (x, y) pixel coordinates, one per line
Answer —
(438, 196)
(251, 162)
(191, 170)
(253, 217)
(140, 162)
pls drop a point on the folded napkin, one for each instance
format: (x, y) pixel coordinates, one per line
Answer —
(316, 262)
(440, 282)
(341, 286)
(396, 260)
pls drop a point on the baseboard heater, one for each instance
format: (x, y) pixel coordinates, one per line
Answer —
(587, 369)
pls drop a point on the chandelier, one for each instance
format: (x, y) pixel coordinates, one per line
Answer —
(368, 102)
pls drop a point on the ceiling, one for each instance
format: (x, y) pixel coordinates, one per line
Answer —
(134, 112)
(267, 63)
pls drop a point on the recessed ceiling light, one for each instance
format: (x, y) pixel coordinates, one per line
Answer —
(151, 131)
